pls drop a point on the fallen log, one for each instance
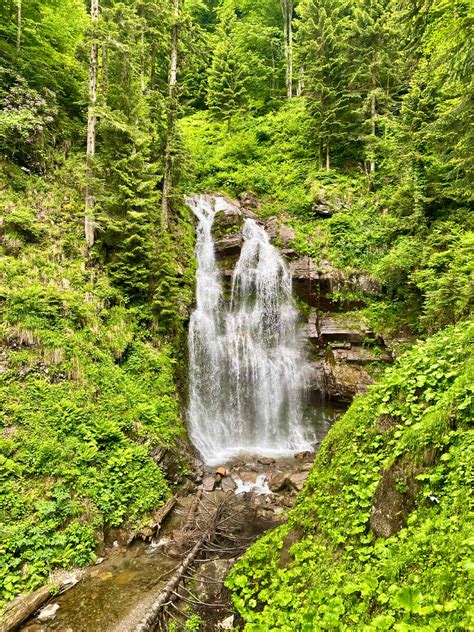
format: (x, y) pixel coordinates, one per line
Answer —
(24, 606)
(149, 531)
(148, 622)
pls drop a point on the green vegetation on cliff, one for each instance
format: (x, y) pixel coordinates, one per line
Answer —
(88, 394)
(380, 537)
(352, 123)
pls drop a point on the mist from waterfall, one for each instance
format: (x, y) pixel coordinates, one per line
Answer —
(246, 358)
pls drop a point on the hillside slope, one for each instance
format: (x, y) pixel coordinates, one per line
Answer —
(87, 389)
(379, 538)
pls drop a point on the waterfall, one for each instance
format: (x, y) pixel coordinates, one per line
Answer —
(246, 356)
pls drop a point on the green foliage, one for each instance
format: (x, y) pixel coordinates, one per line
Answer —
(226, 91)
(326, 569)
(86, 396)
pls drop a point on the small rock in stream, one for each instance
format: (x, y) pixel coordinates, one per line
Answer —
(208, 483)
(228, 484)
(278, 482)
(266, 460)
(297, 480)
(48, 613)
(302, 456)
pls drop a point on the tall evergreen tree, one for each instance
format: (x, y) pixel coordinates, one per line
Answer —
(226, 84)
(323, 31)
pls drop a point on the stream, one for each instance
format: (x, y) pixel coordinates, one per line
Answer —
(250, 413)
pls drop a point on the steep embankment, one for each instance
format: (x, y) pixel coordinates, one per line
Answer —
(87, 392)
(379, 539)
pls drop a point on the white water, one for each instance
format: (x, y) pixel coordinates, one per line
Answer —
(246, 358)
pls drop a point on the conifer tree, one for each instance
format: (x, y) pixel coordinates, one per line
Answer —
(372, 53)
(226, 83)
(323, 53)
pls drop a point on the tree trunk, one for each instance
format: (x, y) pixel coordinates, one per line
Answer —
(287, 11)
(373, 118)
(18, 25)
(300, 86)
(171, 116)
(142, 64)
(91, 125)
(328, 158)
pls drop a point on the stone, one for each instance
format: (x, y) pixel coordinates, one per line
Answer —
(49, 612)
(210, 580)
(297, 480)
(271, 227)
(228, 484)
(227, 623)
(360, 355)
(292, 537)
(384, 423)
(278, 482)
(303, 456)
(228, 246)
(249, 201)
(304, 268)
(394, 497)
(208, 483)
(344, 329)
(248, 477)
(266, 460)
(286, 235)
(343, 381)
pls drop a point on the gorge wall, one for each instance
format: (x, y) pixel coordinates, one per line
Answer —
(345, 351)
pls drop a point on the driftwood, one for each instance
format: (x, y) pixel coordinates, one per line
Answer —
(22, 609)
(149, 531)
(148, 623)
(26, 605)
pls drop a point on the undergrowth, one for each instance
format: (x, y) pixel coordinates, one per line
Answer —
(87, 394)
(326, 569)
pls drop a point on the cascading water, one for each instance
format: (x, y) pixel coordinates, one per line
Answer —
(246, 358)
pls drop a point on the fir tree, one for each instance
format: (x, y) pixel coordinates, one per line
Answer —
(226, 83)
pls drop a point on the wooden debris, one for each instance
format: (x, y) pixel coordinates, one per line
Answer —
(168, 593)
(149, 531)
(24, 606)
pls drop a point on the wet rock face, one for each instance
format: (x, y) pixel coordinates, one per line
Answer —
(344, 347)
(394, 497)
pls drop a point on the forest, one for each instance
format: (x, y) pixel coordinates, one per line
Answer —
(347, 123)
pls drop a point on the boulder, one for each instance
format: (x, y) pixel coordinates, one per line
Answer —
(344, 381)
(394, 497)
(228, 246)
(266, 460)
(208, 483)
(304, 268)
(342, 329)
(48, 612)
(297, 480)
(271, 227)
(209, 584)
(228, 484)
(279, 482)
(359, 355)
(249, 201)
(286, 235)
(303, 456)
